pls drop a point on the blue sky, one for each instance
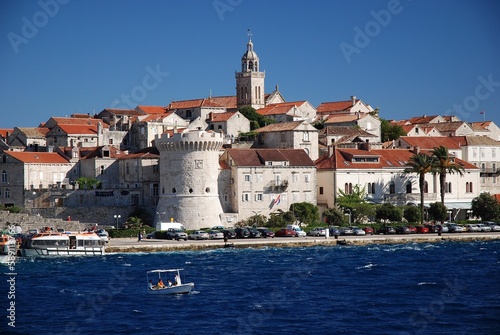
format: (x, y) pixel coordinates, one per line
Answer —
(409, 58)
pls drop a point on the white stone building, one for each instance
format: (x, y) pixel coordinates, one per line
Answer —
(264, 181)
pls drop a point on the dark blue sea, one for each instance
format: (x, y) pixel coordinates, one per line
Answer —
(441, 288)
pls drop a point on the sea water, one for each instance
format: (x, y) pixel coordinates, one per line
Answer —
(434, 288)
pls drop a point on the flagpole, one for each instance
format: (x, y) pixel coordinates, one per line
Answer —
(484, 115)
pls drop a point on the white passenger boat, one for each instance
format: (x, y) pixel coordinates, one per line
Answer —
(63, 244)
(171, 280)
(7, 249)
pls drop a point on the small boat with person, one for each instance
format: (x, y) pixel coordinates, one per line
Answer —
(167, 281)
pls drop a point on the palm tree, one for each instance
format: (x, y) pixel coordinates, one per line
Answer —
(444, 164)
(420, 164)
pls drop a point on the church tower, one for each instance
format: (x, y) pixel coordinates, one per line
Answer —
(250, 82)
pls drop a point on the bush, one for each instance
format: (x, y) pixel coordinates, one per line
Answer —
(117, 233)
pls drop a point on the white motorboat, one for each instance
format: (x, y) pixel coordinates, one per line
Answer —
(173, 283)
(8, 248)
(63, 244)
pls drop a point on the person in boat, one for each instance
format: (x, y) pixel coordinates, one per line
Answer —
(169, 283)
(150, 285)
(160, 284)
(177, 279)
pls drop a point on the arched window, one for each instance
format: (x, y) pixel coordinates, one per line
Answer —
(392, 187)
(250, 65)
(470, 187)
(408, 187)
(350, 188)
(426, 187)
(373, 188)
(346, 188)
(4, 176)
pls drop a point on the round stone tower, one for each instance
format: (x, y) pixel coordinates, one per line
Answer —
(189, 169)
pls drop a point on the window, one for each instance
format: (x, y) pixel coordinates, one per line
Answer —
(307, 177)
(306, 136)
(369, 188)
(426, 187)
(156, 168)
(259, 197)
(408, 187)
(392, 187)
(245, 197)
(493, 153)
(102, 169)
(494, 167)
(483, 167)
(247, 177)
(110, 141)
(154, 189)
(295, 177)
(348, 188)
(474, 153)
(7, 193)
(4, 176)
(321, 190)
(448, 187)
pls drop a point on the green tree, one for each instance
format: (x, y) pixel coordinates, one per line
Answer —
(305, 212)
(257, 220)
(277, 219)
(389, 131)
(445, 164)
(438, 211)
(388, 211)
(334, 217)
(486, 206)
(143, 215)
(420, 164)
(85, 183)
(256, 120)
(356, 197)
(412, 214)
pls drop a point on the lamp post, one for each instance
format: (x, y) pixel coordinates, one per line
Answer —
(117, 217)
(449, 215)
(349, 213)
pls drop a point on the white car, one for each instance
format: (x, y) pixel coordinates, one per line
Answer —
(215, 234)
(317, 232)
(471, 227)
(482, 227)
(494, 226)
(358, 231)
(454, 228)
(199, 235)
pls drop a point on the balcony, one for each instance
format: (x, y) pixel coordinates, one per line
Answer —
(278, 185)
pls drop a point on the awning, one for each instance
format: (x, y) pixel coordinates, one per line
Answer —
(457, 205)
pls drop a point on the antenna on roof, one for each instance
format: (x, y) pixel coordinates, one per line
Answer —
(210, 94)
(249, 34)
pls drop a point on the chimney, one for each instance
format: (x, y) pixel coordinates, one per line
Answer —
(416, 150)
(331, 150)
(353, 99)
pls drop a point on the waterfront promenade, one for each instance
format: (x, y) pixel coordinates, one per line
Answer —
(155, 245)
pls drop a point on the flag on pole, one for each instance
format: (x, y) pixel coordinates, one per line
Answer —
(278, 199)
(481, 112)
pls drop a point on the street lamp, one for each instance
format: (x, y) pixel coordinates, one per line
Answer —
(117, 217)
(349, 210)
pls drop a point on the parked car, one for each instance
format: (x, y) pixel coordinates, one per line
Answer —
(298, 232)
(483, 228)
(229, 233)
(103, 235)
(242, 233)
(266, 232)
(386, 230)
(368, 230)
(358, 231)
(215, 234)
(151, 235)
(433, 228)
(285, 232)
(199, 235)
(402, 230)
(318, 231)
(422, 229)
(454, 228)
(471, 228)
(344, 231)
(413, 230)
(176, 234)
(493, 225)
(334, 231)
(254, 232)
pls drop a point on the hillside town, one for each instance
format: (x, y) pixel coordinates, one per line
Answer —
(203, 162)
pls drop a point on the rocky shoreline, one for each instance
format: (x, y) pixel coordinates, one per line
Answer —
(124, 245)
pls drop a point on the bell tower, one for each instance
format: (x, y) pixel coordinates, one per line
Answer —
(250, 81)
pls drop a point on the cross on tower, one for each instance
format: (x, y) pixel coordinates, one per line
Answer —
(249, 33)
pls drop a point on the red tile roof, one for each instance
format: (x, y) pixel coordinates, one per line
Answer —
(220, 117)
(153, 109)
(341, 118)
(72, 120)
(280, 108)
(223, 101)
(388, 158)
(335, 107)
(422, 119)
(280, 126)
(430, 142)
(258, 157)
(71, 129)
(4, 131)
(37, 157)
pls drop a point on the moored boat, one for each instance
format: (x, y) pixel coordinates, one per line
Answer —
(174, 286)
(7, 249)
(63, 244)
